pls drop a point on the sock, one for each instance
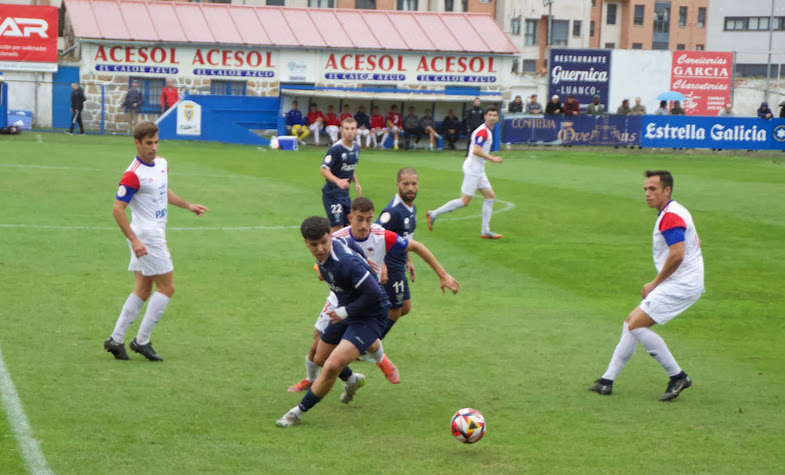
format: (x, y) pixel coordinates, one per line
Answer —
(681, 375)
(384, 138)
(622, 354)
(369, 138)
(309, 400)
(395, 141)
(127, 316)
(387, 328)
(378, 355)
(155, 309)
(346, 373)
(657, 348)
(487, 210)
(311, 369)
(447, 207)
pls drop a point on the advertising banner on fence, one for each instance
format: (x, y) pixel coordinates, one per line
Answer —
(581, 72)
(613, 130)
(745, 133)
(189, 118)
(28, 38)
(704, 77)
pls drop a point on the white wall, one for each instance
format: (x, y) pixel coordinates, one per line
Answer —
(639, 73)
(33, 92)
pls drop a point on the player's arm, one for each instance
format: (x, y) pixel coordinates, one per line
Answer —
(330, 176)
(410, 266)
(479, 140)
(672, 228)
(357, 187)
(446, 280)
(118, 211)
(370, 292)
(181, 203)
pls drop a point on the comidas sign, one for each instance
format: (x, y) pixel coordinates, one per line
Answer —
(704, 78)
(28, 38)
(583, 73)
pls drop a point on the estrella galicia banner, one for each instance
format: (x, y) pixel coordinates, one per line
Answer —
(608, 129)
(583, 73)
(745, 133)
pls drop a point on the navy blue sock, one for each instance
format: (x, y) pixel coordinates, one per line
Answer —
(679, 376)
(387, 328)
(309, 400)
(345, 374)
(607, 382)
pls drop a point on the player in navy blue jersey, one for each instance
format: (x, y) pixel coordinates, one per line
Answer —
(355, 323)
(400, 217)
(338, 170)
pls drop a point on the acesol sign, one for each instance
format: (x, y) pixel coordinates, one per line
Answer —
(28, 38)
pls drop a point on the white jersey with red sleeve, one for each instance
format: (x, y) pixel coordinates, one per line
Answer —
(674, 224)
(474, 164)
(377, 244)
(144, 187)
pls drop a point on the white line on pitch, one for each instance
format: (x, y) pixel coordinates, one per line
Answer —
(31, 452)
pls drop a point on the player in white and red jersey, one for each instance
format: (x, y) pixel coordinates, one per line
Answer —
(394, 125)
(678, 285)
(474, 177)
(144, 187)
(375, 242)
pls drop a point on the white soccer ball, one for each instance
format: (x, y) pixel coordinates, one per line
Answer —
(468, 425)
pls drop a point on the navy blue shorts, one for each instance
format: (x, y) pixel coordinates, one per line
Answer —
(361, 332)
(397, 288)
(338, 208)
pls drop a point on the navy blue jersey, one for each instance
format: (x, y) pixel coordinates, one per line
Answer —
(362, 120)
(341, 161)
(400, 219)
(294, 117)
(353, 281)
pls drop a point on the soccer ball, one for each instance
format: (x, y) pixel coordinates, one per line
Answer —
(468, 426)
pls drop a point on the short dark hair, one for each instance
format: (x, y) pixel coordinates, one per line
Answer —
(491, 109)
(294, 102)
(315, 227)
(312, 104)
(665, 177)
(393, 107)
(145, 129)
(362, 204)
(406, 171)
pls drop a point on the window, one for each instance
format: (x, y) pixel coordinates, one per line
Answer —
(637, 46)
(702, 17)
(151, 88)
(594, 3)
(561, 31)
(365, 4)
(662, 21)
(610, 45)
(699, 47)
(276, 3)
(611, 17)
(530, 38)
(465, 5)
(754, 24)
(591, 28)
(576, 28)
(449, 5)
(408, 5)
(680, 47)
(529, 66)
(682, 17)
(321, 3)
(516, 64)
(229, 88)
(515, 26)
(485, 1)
(638, 17)
(661, 45)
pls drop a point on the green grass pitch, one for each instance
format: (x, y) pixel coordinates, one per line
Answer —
(537, 318)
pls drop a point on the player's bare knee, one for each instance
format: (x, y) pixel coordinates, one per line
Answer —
(331, 368)
(407, 307)
(466, 200)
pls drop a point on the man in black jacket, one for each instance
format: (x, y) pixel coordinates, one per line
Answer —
(450, 129)
(134, 99)
(77, 105)
(475, 117)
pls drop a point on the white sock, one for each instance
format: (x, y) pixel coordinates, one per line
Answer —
(447, 207)
(311, 370)
(155, 309)
(296, 409)
(395, 141)
(657, 348)
(487, 210)
(127, 316)
(437, 136)
(384, 138)
(369, 138)
(378, 355)
(622, 354)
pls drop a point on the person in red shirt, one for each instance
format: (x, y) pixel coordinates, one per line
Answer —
(377, 127)
(345, 114)
(316, 122)
(571, 106)
(394, 125)
(169, 96)
(333, 124)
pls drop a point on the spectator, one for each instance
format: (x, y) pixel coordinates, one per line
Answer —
(554, 107)
(516, 105)
(571, 106)
(663, 109)
(677, 110)
(595, 108)
(169, 96)
(450, 127)
(363, 126)
(764, 112)
(533, 107)
(295, 123)
(345, 114)
(134, 99)
(638, 108)
(77, 105)
(624, 108)
(333, 125)
(315, 122)
(727, 111)
(411, 128)
(377, 127)
(475, 116)
(394, 124)
(427, 126)
(782, 110)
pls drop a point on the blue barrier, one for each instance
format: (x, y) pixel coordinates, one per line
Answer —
(608, 129)
(743, 133)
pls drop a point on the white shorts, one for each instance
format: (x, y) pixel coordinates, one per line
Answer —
(332, 128)
(668, 301)
(323, 320)
(393, 129)
(472, 183)
(158, 260)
